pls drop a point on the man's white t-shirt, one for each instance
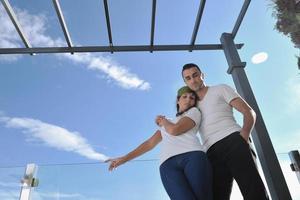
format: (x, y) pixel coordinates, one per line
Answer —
(217, 114)
(174, 145)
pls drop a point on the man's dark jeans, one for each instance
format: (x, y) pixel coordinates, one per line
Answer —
(231, 159)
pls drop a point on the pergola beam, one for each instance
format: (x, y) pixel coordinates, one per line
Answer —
(108, 26)
(62, 22)
(153, 23)
(116, 48)
(14, 20)
(197, 23)
(240, 18)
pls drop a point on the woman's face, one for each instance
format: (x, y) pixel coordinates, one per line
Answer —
(186, 101)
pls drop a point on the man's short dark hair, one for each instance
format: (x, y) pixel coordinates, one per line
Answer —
(189, 66)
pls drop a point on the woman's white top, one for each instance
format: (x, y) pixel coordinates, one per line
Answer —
(185, 142)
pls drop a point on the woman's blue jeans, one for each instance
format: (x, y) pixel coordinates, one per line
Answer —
(187, 176)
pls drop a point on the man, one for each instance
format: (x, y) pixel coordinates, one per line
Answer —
(226, 142)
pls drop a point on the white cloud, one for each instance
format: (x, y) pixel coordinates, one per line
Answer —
(34, 27)
(113, 71)
(9, 37)
(259, 58)
(53, 136)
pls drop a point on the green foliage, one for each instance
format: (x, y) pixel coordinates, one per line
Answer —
(287, 13)
(298, 62)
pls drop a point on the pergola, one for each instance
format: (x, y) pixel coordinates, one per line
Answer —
(270, 164)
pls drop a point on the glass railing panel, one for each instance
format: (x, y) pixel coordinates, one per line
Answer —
(134, 180)
(10, 182)
(90, 181)
(289, 175)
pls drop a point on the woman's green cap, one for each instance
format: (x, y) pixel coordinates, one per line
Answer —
(184, 89)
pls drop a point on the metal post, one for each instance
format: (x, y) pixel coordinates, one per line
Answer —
(295, 159)
(29, 181)
(270, 165)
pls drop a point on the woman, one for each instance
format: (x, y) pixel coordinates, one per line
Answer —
(184, 168)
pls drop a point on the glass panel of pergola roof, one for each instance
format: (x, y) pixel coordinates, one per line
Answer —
(149, 31)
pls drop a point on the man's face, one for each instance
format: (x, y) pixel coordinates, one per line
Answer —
(193, 78)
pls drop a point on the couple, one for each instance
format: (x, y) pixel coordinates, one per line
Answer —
(187, 172)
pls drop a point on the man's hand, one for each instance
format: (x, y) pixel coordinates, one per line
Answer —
(249, 116)
(245, 135)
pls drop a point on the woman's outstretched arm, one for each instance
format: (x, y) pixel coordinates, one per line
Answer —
(141, 149)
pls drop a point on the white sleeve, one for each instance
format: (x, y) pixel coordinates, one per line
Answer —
(194, 114)
(228, 93)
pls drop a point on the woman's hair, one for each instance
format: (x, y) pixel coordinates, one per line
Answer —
(180, 92)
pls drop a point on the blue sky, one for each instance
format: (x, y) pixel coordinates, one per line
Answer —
(83, 108)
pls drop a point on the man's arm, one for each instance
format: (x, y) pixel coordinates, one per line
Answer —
(248, 113)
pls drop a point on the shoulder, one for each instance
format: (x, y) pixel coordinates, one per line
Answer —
(193, 113)
(193, 110)
(223, 89)
(222, 86)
